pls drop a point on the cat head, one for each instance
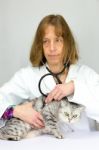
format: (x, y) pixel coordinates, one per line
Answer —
(70, 112)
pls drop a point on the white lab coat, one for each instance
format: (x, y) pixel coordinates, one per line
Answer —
(24, 85)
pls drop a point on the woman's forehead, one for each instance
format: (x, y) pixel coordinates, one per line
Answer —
(52, 28)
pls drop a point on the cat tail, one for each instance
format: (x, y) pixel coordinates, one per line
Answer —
(3, 135)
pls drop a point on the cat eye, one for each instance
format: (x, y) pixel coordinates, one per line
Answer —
(66, 114)
(74, 116)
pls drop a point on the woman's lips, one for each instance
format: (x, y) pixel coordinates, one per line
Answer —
(53, 55)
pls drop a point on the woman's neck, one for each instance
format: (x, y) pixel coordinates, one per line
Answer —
(56, 68)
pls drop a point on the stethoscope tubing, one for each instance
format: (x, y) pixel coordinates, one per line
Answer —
(55, 75)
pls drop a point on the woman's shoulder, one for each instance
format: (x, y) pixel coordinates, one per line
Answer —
(82, 69)
(29, 70)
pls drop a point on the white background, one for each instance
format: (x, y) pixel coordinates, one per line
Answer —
(19, 20)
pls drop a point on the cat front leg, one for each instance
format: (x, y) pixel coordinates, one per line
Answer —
(57, 134)
(52, 131)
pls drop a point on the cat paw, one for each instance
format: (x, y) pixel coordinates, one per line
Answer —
(59, 136)
(14, 138)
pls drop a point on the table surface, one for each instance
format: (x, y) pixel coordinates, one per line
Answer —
(76, 140)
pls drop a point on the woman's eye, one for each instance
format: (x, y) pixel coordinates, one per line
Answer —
(57, 40)
(45, 41)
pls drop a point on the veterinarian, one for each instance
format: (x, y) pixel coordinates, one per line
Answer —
(53, 52)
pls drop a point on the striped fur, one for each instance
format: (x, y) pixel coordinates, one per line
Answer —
(16, 129)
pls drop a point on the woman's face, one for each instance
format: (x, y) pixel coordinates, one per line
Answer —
(53, 47)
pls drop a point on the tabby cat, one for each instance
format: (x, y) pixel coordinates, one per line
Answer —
(16, 129)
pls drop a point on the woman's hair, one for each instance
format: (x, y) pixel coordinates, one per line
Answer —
(61, 29)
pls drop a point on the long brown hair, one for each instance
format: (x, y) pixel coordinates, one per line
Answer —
(61, 29)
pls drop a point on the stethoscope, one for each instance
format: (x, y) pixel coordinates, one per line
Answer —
(55, 75)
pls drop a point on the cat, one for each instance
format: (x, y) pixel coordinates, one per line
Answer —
(63, 110)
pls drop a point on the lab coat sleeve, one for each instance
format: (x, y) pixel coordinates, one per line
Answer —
(86, 91)
(14, 91)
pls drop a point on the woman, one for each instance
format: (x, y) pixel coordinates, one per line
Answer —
(54, 46)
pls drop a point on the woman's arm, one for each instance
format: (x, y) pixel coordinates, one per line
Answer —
(15, 91)
(60, 91)
(26, 113)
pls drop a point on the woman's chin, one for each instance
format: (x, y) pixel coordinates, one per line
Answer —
(54, 62)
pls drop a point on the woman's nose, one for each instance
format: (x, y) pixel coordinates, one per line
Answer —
(52, 45)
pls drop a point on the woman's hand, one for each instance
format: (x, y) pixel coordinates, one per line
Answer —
(26, 113)
(60, 91)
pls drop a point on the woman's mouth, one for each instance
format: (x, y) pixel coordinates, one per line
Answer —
(53, 56)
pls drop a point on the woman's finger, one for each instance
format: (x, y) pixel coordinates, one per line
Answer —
(51, 95)
(37, 124)
(40, 122)
(58, 94)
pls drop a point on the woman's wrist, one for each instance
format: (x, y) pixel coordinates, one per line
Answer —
(8, 114)
(16, 111)
(71, 87)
